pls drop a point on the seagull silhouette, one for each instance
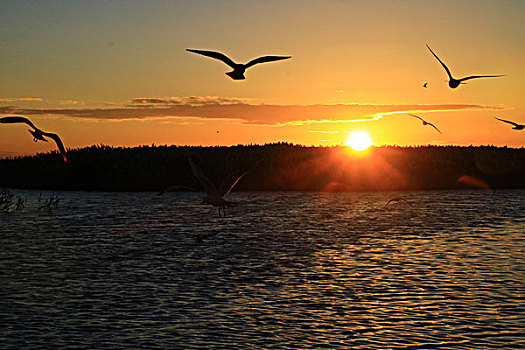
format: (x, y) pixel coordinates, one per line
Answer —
(425, 122)
(238, 68)
(38, 135)
(516, 125)
(425, 85)
(216, 195)
(454, 83)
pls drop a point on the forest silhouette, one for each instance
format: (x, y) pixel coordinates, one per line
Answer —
(273, 167)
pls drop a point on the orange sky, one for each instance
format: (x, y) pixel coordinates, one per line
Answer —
(118, 74)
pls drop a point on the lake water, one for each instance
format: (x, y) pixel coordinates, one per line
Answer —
(283, 271)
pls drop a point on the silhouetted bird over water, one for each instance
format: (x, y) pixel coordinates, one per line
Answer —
(425, 122)
(216, 195)
(454, 83)
(238, 68)
(516, 125)
(38, 135)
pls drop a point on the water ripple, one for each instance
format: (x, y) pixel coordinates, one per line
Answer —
(283, 270)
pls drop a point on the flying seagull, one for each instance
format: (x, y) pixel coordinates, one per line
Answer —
(38, 135)
(516, 125)
(238, 68)
(216, 195)
(425, 122)
(425, 85)
(454, 83)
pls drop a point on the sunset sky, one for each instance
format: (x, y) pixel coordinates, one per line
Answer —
(118, 73)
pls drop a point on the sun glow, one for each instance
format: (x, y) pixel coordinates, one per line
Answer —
(359, 141)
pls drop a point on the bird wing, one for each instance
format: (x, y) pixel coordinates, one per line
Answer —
(480, 76)
(507, 121)
(209, 187)
(59, 143)
(444, 66)
(397, 199)
(432, 125)
(229, 182)
(264, 59)
(415, 116)
(389, 201)
(216, 55)
(16, 119)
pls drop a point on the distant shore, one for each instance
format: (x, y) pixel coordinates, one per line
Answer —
(273, 167)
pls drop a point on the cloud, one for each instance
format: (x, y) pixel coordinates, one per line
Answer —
(242, 110)
(7, 109)
(188, 101)
(9, 99)
(71, 102)
(325, 131)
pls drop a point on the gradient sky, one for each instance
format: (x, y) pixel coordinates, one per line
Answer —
(117, 72)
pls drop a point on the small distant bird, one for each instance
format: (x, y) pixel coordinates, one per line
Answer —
(516, 125)
(38, 135)
(216, 195)
(454, 83)
(238, 68)
(425, 85)
(425, 122)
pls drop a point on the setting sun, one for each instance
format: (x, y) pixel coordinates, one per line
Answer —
(359, 141)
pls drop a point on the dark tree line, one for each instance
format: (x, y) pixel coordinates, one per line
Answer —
(274, 167)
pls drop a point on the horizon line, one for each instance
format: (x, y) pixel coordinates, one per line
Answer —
(279, 143)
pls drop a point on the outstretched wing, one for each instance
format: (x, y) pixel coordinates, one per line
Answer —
(432, 125)
(229, 182)
(16, 119)
(415, 116)
(395, 199)
(480, 76)
(266, 59)
(507, 121)
(209, 187)
(216, 55)
(398, 199)
(59, 143)
(444, 66)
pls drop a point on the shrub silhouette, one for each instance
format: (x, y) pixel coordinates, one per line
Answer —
(275, 167)
(9, 202)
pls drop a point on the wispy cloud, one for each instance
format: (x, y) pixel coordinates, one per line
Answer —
(14, 99)
(333, 121)
(325, 131)
(71, 102)
(213, 107)
(189, 101)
